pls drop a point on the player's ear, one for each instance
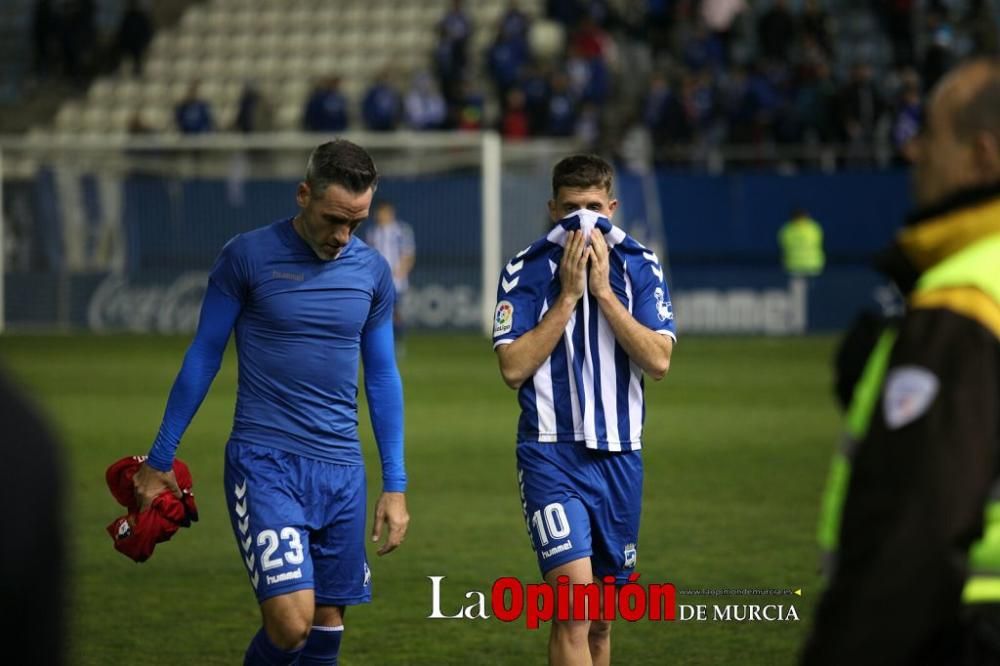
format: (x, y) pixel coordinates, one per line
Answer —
(986, 153)
(302, 194)
(553, 214)
(612, 206)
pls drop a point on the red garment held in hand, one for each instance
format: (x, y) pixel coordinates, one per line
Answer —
(136, 534)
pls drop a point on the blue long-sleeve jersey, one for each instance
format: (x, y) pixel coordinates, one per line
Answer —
(301, 325)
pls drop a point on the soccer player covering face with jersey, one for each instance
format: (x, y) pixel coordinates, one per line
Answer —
(306, 299)
(582, 313)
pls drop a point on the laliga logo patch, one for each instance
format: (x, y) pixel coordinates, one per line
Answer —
(909, 392)
(503, 318)
(664, 309)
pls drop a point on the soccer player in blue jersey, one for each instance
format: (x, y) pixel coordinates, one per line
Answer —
(582, 313)
(306, 299)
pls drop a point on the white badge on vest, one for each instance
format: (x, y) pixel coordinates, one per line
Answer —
(909, 392)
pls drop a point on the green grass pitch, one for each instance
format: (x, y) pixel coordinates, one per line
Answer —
(737, 441)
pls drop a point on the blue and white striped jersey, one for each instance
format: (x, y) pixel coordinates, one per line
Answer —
(588, 390)
(393, 241)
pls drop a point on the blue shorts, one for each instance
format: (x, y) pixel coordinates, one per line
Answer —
(299, 524)
(579, 502)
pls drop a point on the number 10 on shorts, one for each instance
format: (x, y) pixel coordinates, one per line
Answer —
(554, 526)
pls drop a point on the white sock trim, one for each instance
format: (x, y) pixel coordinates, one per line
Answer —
(317, 627)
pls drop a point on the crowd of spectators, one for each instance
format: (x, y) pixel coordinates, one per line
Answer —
(679, 72)
(68, 45)
(781, 78)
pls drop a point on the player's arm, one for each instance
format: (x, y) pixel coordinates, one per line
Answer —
(201, 363)
(919, 482)
(648, 349)
(521, 358)
(384, 389)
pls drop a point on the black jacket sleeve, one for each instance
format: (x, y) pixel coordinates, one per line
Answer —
(915, 504)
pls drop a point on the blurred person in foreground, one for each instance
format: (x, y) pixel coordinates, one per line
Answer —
(911, 519)
(393, 239)
(33, 577)
(306, 300)
(582, 313)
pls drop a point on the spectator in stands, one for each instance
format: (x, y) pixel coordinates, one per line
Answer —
(193, 114)
(77, 25)
(535, 85)
(738, 106)
(135, 32)
(425, 106)
(861, 109)
(704, 49)
(590, 40)
(380, 107)
(504, 58)
(815, 23)
(897, 21)
(816, 104)
(326, 108)
(254, 113)
(447, 69)
(43, 28)
(456, 28)
(515, 124)
(658, 22)
(468, 112)
(776, 31)
(938, 56)
(683, 25)
(718, 17)
(662, 112)
(562, 107)
(564, 12)
(981, 24)
(908, 119)
(514, 23)
(699, 103)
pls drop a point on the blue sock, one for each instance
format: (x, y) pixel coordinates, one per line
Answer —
(262, 652)
(322, 646)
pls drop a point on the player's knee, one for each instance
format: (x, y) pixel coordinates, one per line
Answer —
(600, 632)
(571, 631)
(289, 633)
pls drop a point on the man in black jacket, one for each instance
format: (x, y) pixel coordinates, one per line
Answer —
(916, 577)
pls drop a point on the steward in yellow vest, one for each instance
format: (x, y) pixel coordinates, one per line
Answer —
(801, 241)
(911, 516)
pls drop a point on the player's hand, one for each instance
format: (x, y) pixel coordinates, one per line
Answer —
(600, 271)
(391, 510)
(573, 266)
(149, 483)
